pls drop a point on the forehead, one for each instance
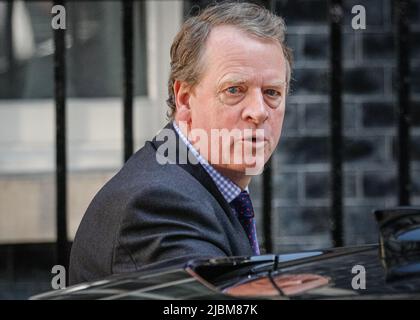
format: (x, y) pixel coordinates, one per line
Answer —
(233, 53)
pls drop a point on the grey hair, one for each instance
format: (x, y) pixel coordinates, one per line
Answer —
(189, 44)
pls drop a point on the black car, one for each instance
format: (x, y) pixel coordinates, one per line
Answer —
(390, 269)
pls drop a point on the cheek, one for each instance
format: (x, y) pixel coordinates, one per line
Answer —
(220, 116)
(200, 111)
(277, 124)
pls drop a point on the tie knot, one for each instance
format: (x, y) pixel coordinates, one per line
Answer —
(243, 205)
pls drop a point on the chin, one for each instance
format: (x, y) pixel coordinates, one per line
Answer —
(250, 169)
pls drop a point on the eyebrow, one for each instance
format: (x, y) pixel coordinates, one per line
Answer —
(238, 81)
(279, 83)
(231, 81)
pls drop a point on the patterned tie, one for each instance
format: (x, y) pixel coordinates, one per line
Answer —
(245, 213)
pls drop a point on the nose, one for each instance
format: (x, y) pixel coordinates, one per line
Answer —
(255, 109)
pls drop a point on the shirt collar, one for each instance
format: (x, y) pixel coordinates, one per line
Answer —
(226, 186)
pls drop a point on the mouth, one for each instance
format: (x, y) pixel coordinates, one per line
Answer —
(256, 142)
(257, 139)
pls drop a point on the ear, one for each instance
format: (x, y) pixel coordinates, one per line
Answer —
(182, 93)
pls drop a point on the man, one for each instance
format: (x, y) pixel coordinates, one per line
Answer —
(230, 71)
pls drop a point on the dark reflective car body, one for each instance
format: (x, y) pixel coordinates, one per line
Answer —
(342, 269)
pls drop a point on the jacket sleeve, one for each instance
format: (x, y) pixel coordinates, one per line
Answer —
(162, 227)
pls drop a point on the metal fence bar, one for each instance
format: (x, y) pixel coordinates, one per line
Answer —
(267, 187)
(401, 8)
(61, 164)
(128, 66)
(267, 208)
(10, 58)
(336, 140)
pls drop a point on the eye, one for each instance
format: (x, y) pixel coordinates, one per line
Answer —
(233, 90)
(273, 93)
(233, 95)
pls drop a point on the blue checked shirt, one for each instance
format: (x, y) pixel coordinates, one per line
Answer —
(228, 189)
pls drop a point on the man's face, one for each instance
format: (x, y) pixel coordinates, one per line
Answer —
(243, 87)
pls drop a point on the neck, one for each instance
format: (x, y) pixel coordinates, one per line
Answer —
(238, 178)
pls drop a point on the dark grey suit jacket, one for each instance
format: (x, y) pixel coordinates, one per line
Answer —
(151, 216)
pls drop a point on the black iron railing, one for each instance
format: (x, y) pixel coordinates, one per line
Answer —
(128, 87)
(402, 39)
(335, 8)
(61, 145)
